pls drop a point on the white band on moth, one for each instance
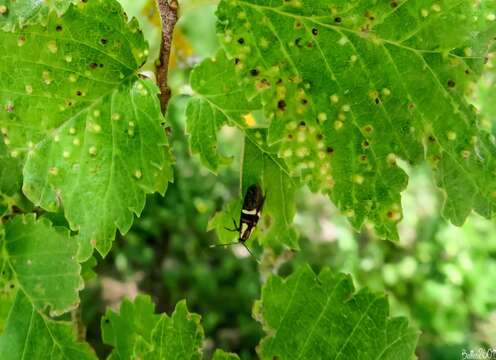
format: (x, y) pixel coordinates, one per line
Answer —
(249, 212)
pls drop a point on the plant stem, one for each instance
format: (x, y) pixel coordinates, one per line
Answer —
(168, 10)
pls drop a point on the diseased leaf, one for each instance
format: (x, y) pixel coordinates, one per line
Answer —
(31, 335)
(351, 87)
(320, 317)
(136, 332)
(17, 13)
(89, 129)
(42, 262)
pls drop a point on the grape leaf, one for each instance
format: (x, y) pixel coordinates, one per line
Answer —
(350, 87)
(31, 335)
(136, 332)
(17, 13)
(320, 317)
(89, 128)
(42, 261)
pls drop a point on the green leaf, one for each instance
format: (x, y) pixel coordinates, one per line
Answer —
(222, 355)
(31, 335)
(486, 93)
(89, 128)
(320, 317)
(138, 333)
(10, 172)
(177, 337)
(350, 87)
(42, 261)
(218, 101)
(134, 321)
(261, 166)
(17, 13)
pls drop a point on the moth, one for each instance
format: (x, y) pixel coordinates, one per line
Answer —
(250, 214)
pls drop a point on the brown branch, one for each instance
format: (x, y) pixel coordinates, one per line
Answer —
(168, 13)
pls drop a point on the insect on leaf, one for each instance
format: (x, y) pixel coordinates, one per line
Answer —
(350, 88)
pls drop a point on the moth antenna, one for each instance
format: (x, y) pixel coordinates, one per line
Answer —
(228, 244)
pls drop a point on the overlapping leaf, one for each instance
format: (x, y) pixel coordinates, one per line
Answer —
(42, 260)
(39, 268)
(73, 106)
(320, 317)
(261, 166)
(136, 332)
(349, 87)
(31, 335)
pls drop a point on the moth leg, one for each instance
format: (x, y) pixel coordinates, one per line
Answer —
(236, 227)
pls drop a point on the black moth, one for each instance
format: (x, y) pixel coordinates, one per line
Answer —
(250, 214)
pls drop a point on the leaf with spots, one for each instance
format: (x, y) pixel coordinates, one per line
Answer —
(136, 332)
(41, 260)
(351, 87)
(87, 127)
(30, 334)
(321, 317)
(17, 13)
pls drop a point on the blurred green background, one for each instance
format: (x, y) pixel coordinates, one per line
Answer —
(441, 276)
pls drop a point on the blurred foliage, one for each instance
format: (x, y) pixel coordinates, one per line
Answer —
(439, 275)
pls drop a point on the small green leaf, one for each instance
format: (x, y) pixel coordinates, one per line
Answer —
(261, 165)
(321, 317)
(88, 128)
(42, 260)
(136, 332)
(134, 321)
(222, 355)
(177, 337)
(223, 220)
(31, 335)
